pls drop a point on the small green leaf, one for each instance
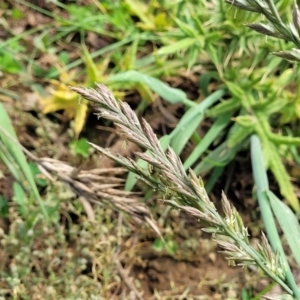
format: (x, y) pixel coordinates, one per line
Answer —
(44, 73)
(8, 63)
(80, 147)
(158, 245)
(36, 172)
(171, 246)
(235, 89)
(245, 295)
(64, 57)
(140, 9)
(17, 14)
(93, 74)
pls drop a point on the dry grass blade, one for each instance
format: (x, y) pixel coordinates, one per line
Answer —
(100, 189)
(127, 280)
(100, 186)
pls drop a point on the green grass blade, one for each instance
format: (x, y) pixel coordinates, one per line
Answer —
(175, 47)
(168, 93)
(279, 171)
(293, 149)
(225, 106)
(181, 138)
(18, 155)
(214, 176)
(238, 134)
(217, 127)
(102, 51)
(282, 177)
(132, 178)
(191, 120)
(262, 187)
(10, 163)
(219, 157)
(196, 110)
(20, 198)
(204, 81)
(274, 161)
(288, 223)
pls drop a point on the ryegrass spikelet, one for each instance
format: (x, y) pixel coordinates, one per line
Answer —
(180, 189)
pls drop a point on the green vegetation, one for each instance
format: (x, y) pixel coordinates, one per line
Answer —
(229, 91)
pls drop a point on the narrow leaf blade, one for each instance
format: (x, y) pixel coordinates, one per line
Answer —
(288, 223)
(18, 154)
(168, 93)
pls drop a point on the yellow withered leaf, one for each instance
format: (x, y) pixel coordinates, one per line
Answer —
(63, 98)
(80, 116)
(65, 95)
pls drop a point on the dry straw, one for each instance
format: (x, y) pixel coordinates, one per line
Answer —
(100, 186)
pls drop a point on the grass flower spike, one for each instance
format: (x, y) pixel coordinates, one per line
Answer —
(184, 191)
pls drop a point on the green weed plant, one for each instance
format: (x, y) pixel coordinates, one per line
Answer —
(254, 98)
